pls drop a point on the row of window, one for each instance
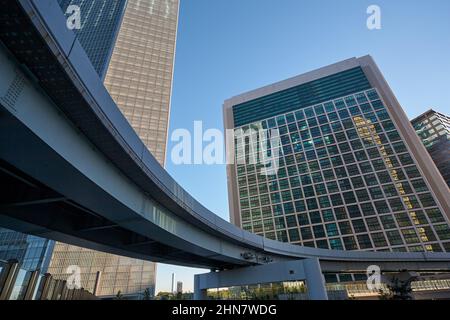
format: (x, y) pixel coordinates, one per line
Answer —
(329, 176)
(359, 100)
(329, 173)
(390, 240)
(355, 226)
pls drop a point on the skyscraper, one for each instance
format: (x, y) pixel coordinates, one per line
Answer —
(32, 253)
(139, 76)
(100, 23)
(132, 46)
(179, 287)
(351, 175)
(433, 129)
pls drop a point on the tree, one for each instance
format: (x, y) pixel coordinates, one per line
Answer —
(164, 296)
(398, 289)
(119, 295)
(147, 295)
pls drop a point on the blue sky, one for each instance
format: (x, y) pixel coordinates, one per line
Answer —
(227, 47)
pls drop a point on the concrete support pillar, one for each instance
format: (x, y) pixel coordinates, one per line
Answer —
(69, 295)
(315, 280)
(47, 281)
(98, 280)
(32, 285)
(199, 294)
(9, 276)
(58, 288)
(64, 291)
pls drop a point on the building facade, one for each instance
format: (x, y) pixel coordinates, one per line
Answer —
(179, 287)
(433, 129)
(351, 172)
(32, 253)
(99, 25)
(139, 76)
(132, 46)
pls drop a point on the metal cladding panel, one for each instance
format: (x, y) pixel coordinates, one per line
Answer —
(51, 15)
(108, 109)
(100, 22)
(303, 95)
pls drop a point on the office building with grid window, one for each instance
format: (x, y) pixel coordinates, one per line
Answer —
(131, 45)
(32, 253)
(433, 129)
(100, 22)
(352, 173)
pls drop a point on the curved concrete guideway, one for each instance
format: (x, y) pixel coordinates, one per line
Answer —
(85, 177)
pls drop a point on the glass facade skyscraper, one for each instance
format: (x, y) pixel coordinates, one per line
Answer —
(132, 46)
(100, 22)
(32, 253)
(433, 129)
(350, 174)
(139, 76)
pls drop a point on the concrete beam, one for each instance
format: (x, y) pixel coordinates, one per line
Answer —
(385, 266)
(306, 269)
(315, 281)
(33, 202)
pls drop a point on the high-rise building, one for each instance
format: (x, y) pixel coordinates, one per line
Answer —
(32, 253)
(132, 47)
(433, 129)
(179, 287)
(131, 44)
(100, 22)
(139, 76)
(351, 173)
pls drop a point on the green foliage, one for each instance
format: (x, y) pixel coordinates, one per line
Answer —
(147, 295)
(170, 296)
(398, 290)
(119, 295)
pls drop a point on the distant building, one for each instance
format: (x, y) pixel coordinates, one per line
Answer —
(179, 287)
(434, 130)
